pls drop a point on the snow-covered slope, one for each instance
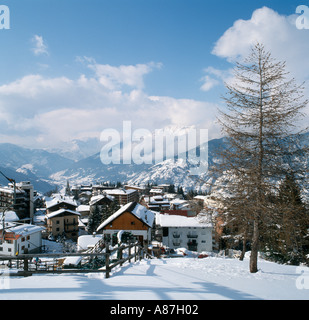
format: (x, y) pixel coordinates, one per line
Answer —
(212, 278)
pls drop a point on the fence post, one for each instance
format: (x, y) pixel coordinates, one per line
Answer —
(121, 255)
(26, 267)
(107, 261)
(130, 252)
(135, 258)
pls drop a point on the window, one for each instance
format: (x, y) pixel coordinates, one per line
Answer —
(57, 229)
(165, 232)
(28, 237)
(57, 222)
(1, 248)
(22, 239)
(132, 223)
(9, 249)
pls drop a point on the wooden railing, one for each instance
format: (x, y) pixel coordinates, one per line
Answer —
(34, 263)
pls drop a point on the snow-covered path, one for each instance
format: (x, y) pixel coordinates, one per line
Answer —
(168, 279)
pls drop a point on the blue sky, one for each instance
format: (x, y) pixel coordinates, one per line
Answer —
(71, 68)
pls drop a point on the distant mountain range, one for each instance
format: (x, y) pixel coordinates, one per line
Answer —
(45, 170)
(35, 166)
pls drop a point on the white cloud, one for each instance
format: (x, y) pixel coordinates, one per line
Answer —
(277, 32)
(279, 35)
(115, 77)
(40, 47)
(47, 111)
(215, 77)
(209, 83)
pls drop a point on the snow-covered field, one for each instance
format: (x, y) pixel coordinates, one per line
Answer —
(169, 279)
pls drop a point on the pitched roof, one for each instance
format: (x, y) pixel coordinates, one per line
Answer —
(61, 211)
(99, 197)
(14, 231)
(142, 213)
(56, 201)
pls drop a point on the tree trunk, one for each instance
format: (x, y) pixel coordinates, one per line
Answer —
(244, 244)
(254, 247)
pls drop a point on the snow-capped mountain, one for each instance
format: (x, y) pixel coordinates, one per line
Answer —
(92, 170)
(78, 149)
(174, 171)
(39, 162)
(39, 166)
(36, 166)
(38, 184)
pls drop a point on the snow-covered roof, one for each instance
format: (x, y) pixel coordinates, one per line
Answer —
(39, 216)
(83, 208)
(22, 229)
(159, 191)
(119, 191)
(10, 190)
(97, 198)
(60, 211)
(165, 220)
(157, 200)
(9, 216)
(85, 241)
(57, 200)
(142, 213)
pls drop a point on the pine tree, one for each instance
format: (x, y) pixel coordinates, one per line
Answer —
(260, 123)
(95, 219)
(287, 241)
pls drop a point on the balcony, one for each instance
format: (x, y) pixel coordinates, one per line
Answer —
(176, 235)
(192, 236)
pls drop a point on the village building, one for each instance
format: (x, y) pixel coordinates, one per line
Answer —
(19, 197)
(133, 218)
(60, 202)
(101, 199)
(156, 203)
(84, 210)
(18, 238)
(176, 231)
(63, 222)
(123, 196)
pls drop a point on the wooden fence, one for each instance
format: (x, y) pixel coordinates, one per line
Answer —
(29, 264)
